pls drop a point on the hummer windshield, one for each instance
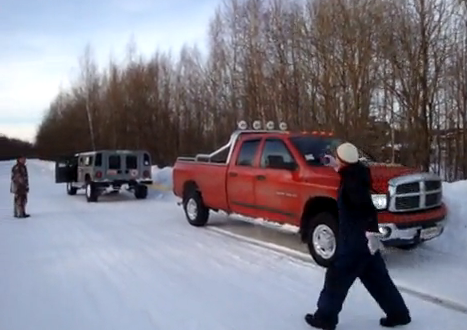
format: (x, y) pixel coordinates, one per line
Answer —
(314, 148)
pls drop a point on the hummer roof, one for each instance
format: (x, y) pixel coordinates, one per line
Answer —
(110, 151)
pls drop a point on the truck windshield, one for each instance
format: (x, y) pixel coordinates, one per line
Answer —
(313, 148)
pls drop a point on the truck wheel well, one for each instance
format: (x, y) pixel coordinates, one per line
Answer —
(313, 207)
(87, 177)
(189, 186)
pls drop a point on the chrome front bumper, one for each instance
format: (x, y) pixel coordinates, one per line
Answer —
(393, 235)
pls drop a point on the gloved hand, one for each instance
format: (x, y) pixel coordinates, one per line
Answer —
(330, 161)
(374, 243)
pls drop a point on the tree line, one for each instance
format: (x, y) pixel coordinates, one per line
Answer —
(11, 148)
(388, 75)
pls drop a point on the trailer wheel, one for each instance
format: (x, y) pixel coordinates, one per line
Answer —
(196, 212)
(322, 238)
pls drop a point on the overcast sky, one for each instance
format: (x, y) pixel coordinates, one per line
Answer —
(42, 40)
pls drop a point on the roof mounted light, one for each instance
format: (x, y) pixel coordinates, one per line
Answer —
(242, 125)
(270, 125)
(283, 126)
(256, 125)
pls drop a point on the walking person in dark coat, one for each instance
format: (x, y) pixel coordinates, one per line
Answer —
(20, 187)
(357, 254)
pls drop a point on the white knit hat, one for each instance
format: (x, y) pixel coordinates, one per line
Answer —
(348, 153)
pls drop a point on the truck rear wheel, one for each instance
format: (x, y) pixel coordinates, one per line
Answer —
(141, 191)
(196, 212)
(322, 242)
(92, 194)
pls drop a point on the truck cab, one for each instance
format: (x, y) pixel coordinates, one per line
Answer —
(283, 177)
(102, 171)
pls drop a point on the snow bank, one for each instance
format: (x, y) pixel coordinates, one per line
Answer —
(163, 176)
(454, 239)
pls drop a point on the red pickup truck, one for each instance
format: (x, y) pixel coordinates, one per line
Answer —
(281, 176)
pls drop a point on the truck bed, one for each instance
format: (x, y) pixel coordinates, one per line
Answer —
(209, 177)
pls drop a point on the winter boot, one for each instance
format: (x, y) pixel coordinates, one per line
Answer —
(394, 321)
(318, 323)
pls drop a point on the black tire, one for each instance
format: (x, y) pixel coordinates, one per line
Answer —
(322, 224)
(70, 190)
(196, 212)
(141, 192)
(92, 194)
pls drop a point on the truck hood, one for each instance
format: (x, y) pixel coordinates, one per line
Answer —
(381, 173)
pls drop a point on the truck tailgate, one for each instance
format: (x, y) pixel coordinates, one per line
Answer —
(210, 178)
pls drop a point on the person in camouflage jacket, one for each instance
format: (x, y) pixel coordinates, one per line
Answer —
(20, 187)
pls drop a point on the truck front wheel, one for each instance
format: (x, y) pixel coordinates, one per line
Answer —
(70, 189)
(322, 242)
(196, 212)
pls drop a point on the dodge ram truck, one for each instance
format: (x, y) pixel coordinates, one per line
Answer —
(281, 176)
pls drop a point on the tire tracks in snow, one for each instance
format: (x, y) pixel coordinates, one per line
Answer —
(306, 259)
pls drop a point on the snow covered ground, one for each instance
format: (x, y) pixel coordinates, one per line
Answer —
(128, 264)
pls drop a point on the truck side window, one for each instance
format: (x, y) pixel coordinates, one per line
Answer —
(247, 152)
(98, 160)
(88, 161)
(115, 162)
(275, 147)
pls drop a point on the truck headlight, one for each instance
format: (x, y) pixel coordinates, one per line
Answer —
(380, 201)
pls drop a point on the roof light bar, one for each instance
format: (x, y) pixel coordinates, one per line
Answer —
(242, 125)
(257, 124)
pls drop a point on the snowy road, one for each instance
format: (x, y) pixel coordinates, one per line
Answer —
(127, 264)
(431, 269)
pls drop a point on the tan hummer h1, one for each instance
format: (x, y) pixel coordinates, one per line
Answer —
(105, 171)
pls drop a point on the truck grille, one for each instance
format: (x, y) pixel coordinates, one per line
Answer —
(414, 192)
(407, 188)
(407, 203)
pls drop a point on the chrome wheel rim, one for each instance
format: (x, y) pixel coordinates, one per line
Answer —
(192, 209)
(324, 241)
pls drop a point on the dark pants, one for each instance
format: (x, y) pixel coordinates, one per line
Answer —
(20, 204)
(372, 272)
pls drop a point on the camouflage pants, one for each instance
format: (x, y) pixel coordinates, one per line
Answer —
(20, 204)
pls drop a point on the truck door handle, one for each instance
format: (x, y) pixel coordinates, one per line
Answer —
(260, 177)
(233, 174)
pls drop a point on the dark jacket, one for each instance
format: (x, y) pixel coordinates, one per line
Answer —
(19, 179)
(357, 213)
